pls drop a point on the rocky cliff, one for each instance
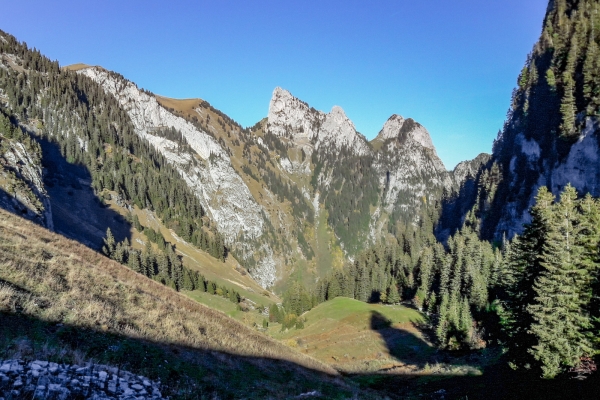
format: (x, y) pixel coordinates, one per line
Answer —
(552, 132)
(206, 169)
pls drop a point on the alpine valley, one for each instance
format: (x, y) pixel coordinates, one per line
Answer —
(295, 258)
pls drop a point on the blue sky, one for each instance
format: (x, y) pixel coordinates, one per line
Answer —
(449, 65)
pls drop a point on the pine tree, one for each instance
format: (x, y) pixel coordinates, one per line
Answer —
(442, 326)
(333, 290)
(133, 261)
(466, 320)
(568, 107)
(589, 239)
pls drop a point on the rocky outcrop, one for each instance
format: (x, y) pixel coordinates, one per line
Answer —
(409, 168)
(47, 380)
(22, 189)
(292, 118)
(469, 169)
(580, 168)
(207, 170)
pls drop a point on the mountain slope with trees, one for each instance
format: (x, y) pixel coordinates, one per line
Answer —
(551, 135)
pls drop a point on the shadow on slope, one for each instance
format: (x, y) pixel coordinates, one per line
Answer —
(63, 302)
(185, 372)
(12, 204)
(193, 373)
(402, 344)
(77, 212)
(498, 380)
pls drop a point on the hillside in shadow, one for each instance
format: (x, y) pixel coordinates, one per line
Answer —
(63, 302)
(498, 380)
(77, 212)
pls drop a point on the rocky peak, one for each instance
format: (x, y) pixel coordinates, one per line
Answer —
(405, 130)
(291, 117)
(339, 130)
(468, 169)
(391, 128)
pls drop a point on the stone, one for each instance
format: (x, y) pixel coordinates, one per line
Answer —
(36, 383)
(54, 387)
(42, 364)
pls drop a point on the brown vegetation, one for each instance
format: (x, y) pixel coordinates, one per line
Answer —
(49, 278)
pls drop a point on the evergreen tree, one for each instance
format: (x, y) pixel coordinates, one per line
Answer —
(109, 244)
(522, 268)
(393, 296)
(559, 321)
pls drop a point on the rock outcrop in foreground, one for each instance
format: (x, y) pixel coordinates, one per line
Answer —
(48, 380)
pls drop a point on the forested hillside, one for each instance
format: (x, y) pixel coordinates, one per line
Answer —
(535, 294)
(70, 111)
(551, 134)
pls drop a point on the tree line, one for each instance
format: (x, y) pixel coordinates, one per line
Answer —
(163, 265)
(91, 128)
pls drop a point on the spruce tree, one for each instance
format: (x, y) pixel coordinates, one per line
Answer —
(109, 244)
(393, 297)
(559, 321)
(521, 269)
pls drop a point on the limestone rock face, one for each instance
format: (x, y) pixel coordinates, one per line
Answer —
(21, 184)
(292, 118)
(220, 189)
(411, 173)
(397, 127)
(469, 169)
(580, 168)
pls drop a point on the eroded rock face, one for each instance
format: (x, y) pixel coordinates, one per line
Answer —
(469, 169)
(580, 168)
(220, 189)
(396, 127)
(47, 380)
(21, 184)
(292, 118)
(408, 168)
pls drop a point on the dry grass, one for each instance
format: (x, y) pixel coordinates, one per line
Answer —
(86, 289)
(77, 67)
(52, 279)
(187, 107)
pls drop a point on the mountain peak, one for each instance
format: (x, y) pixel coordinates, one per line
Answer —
(403, 129)
(339, 116)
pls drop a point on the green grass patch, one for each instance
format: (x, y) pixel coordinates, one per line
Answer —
(344, 307)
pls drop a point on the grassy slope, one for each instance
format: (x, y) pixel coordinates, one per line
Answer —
(228, 273)
(77, 67)
(355, 336)
(66, 300)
